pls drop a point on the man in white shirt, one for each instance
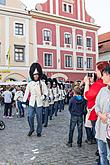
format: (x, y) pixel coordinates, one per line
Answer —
(7, 95)
(19, 98)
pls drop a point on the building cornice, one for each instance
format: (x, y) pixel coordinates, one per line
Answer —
(14, 12)
(53, 17)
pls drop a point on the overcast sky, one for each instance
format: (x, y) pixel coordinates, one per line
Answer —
(98, 9)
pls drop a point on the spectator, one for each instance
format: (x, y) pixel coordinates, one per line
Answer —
(76, 109)
(7, 95)
(101, 108)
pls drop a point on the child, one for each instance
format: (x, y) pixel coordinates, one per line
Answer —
(76, 108)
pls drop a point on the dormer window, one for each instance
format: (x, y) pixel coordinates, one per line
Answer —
(2, 2)
(67, 8)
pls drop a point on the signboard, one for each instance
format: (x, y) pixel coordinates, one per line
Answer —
(4, 71)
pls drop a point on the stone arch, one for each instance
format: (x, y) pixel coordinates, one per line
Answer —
(58, 75)
(15, 77)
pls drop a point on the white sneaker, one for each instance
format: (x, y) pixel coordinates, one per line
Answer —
(10, 117)
(4, 117)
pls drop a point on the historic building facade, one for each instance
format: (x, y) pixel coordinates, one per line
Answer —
(14, 40)
(59, 34)
(65, 40)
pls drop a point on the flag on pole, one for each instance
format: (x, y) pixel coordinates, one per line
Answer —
(8, 57)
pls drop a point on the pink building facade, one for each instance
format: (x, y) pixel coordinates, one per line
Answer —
(66, 39)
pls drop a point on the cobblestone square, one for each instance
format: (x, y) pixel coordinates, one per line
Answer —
(50, 149)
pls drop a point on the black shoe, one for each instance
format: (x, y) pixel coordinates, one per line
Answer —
(79, 145)
(97, 153)
(93, 141)
(50, 117)
(38, 134)
(69, 144)
(30, 133)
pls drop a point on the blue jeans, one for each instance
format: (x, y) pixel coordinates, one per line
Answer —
(102, 147)
(56, 108)
(45, 115)
(31, 114)
(93, 128)
(51, 109)
(108, 151)
(76, 120)
(20, 108)
(89, 133)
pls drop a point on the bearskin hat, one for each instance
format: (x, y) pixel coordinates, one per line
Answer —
(55, 81)
(50, 81)
(33, 67)
(44, 77)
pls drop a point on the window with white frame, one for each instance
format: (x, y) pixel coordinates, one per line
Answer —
(89, 62)
(68, 61)
(89, 42)
(19, 29)
(79, 62)
(47, 59)
(47, 35)
(79, 40)
(2, 2)
(68, 8)
(19, 53)
(67, 38)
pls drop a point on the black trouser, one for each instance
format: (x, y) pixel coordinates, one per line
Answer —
(8, 106)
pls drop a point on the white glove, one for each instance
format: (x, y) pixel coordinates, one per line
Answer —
(24, 105)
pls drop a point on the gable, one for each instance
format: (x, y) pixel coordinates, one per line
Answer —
(13, 4)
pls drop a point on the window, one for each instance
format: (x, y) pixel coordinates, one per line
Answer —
(19, 52)
(48, 59)
(65, 7)
(47, 35)
(79, 62)
(68, 8)
(68, 61)
(89, 42)
(67, 38)
(2, 2)
(18, 29)
(79, 40)
(89, 63)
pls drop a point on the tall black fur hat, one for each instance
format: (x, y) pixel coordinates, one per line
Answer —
(33, 67)
(51, 82)
(44, 77)
(55, 81)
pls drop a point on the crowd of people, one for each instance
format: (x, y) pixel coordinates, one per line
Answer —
(89, 105)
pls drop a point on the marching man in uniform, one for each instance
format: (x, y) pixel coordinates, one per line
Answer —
(38, 92)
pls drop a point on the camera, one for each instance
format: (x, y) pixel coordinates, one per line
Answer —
(90, 75)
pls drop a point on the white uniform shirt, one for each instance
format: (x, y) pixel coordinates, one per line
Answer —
(18, 96)
(7, 96)
(36, 95)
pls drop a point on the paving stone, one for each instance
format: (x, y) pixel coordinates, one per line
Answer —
(16, 148)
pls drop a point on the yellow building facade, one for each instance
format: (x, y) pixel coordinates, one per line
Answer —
(16, 42)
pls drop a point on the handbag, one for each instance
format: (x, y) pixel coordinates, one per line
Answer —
(87, 121)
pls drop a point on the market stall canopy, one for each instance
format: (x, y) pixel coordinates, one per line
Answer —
(13, 83)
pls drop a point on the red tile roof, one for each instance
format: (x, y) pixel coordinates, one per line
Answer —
(104, 37)
(104, 43)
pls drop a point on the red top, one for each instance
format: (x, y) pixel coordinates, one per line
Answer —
(91, 97)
